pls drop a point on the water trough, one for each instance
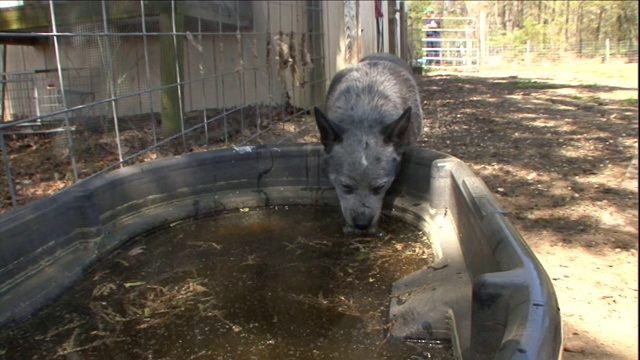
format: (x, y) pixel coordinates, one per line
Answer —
(486, 292)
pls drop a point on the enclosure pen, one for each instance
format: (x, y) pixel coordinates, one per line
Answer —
(124, 119)
(110, 84)
(164, 192)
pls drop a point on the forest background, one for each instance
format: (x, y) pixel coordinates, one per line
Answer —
(581, 27)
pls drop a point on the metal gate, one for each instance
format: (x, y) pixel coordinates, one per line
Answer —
(35, 94)
(455, 45)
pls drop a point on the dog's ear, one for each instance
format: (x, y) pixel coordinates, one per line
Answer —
(395, 132)
(330, 133)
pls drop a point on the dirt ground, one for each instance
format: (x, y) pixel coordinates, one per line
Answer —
(555, 145)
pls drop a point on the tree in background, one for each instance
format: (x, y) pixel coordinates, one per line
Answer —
(543, 22)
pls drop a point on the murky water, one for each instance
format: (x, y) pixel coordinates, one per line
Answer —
(279, 283)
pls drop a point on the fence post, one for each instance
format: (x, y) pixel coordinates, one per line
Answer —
(171, 111)
(606, 51)
(528, 55)
(67, 128)
(7, 169)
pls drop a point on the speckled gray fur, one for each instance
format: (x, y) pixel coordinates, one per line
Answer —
(373, 111)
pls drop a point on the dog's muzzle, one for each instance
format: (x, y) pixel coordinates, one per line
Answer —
(362, 221)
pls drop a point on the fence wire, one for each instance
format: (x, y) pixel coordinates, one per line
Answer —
(105, 84)
(459, 47)
(532, 53)
(117, 83)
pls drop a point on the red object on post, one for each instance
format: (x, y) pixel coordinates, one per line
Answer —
(379, 13)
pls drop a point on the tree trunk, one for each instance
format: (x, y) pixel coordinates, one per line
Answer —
(579, 27)
(631, 31)
(504, 13)
(539, 12)
(520, 17)
(599, 25)
(566, 21)
(497, 15)
(508, 17)
(620, 26)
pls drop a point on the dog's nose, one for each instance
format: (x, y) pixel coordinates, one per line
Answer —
(362, 222)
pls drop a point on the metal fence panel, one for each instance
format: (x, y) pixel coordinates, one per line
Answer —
(227, 73)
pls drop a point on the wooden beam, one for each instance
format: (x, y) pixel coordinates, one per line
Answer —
(36, 17)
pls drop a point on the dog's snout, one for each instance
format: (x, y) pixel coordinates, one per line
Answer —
(362, 222)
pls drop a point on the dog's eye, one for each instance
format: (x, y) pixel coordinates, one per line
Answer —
(378, 188)
(348, 189)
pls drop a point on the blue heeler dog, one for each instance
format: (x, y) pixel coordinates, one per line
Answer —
(373, 112)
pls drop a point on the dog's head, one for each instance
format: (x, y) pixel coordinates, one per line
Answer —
(362, 165)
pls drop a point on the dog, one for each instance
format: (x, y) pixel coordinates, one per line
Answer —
(373, 112)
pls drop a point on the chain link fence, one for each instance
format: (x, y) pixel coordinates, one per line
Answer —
(140, 80)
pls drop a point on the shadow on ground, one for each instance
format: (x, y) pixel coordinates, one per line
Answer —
(556, 155)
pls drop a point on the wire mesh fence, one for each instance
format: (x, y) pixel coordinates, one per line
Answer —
(531, 53)
(459, 45)
(141, 80)
(105, 84)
